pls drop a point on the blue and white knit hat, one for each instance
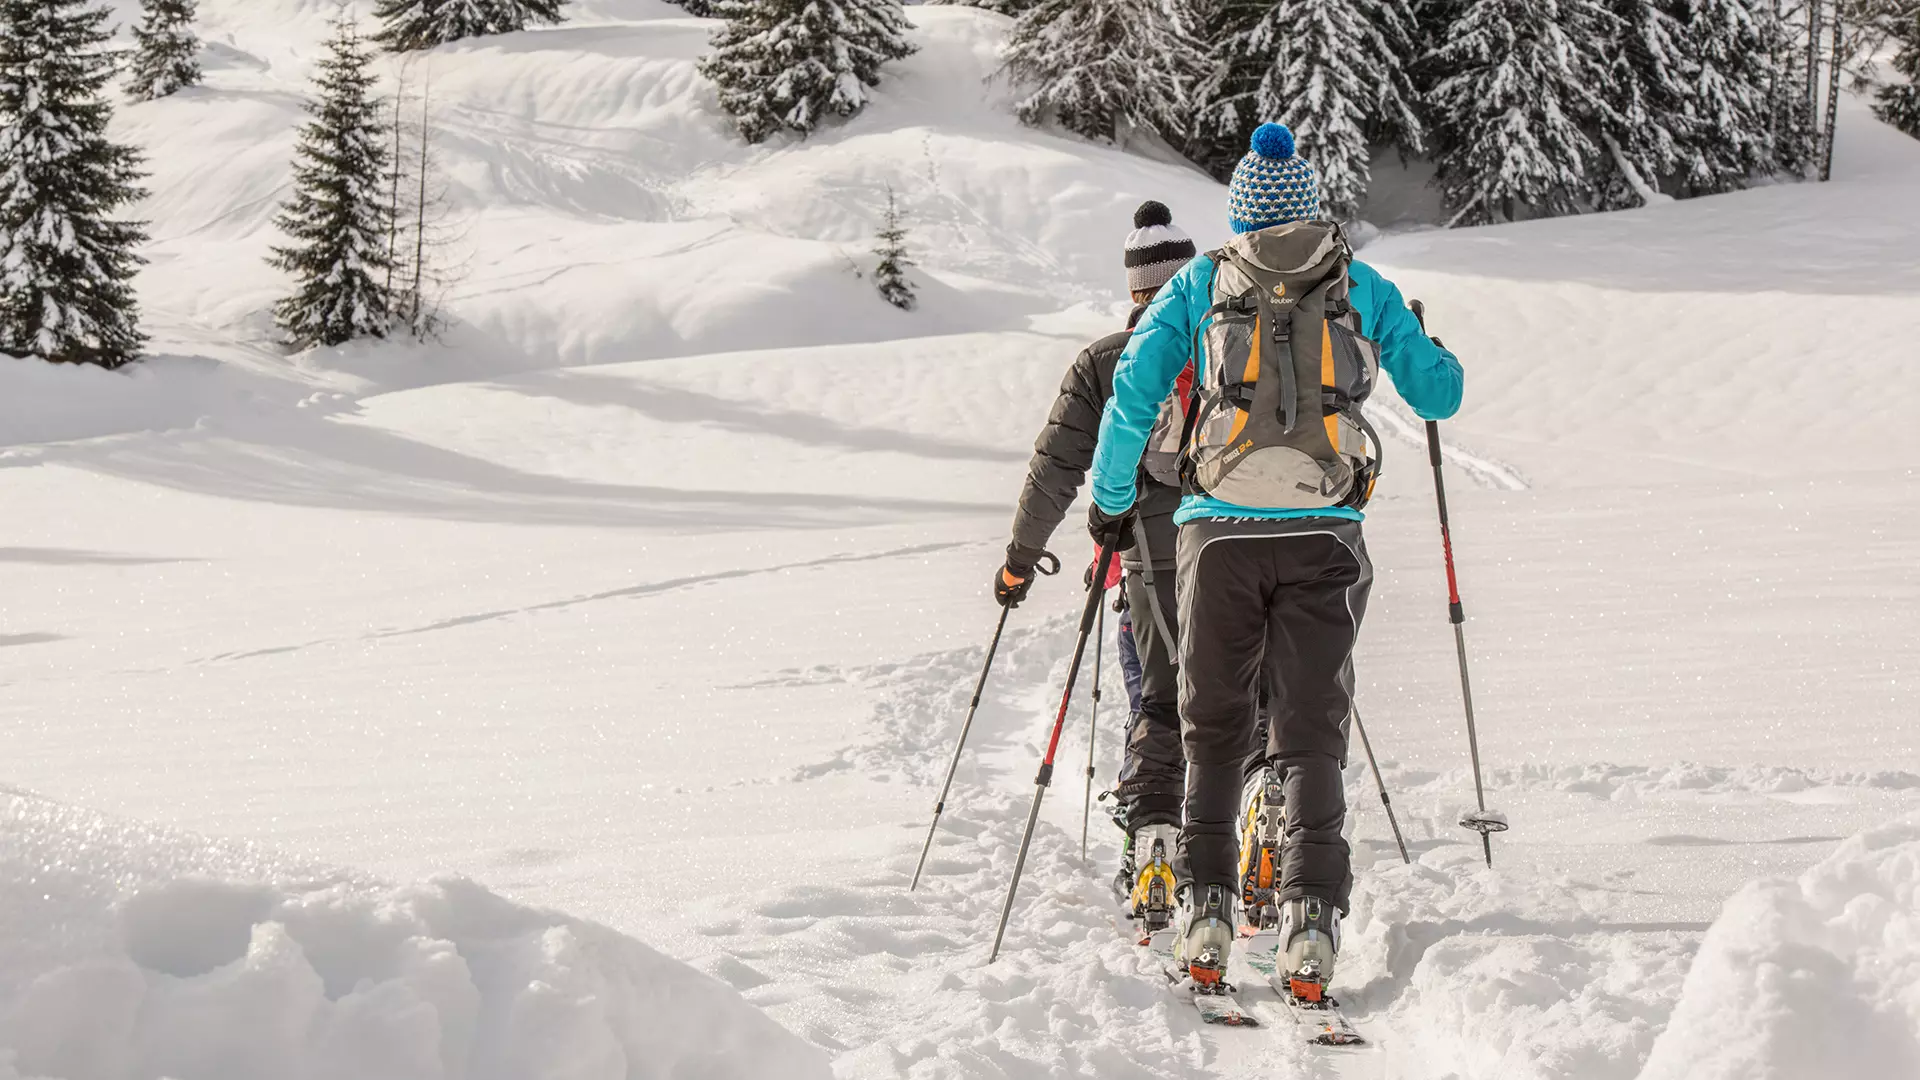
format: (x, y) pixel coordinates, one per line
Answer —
(1272, 185)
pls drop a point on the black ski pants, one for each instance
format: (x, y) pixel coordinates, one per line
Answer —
(1153, 772)
(1281, 600)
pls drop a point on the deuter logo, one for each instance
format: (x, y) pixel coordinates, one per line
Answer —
(1280, 290)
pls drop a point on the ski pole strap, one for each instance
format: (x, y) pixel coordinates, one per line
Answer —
(1040, 564)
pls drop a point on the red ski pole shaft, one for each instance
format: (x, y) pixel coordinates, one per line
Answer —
(1456, 614)
(1044, 777)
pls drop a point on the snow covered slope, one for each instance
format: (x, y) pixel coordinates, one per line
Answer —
(657, 592)
(134, 951)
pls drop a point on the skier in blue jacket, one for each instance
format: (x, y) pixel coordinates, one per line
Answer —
(1276, 590)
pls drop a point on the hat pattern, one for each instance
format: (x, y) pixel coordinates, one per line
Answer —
(1156, 248)
(1272, 185)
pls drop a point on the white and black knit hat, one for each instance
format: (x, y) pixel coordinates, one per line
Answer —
(1156, 248)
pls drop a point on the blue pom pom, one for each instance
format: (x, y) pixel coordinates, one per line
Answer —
(1273, 141)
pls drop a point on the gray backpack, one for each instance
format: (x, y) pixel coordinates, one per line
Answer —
(1274, 421)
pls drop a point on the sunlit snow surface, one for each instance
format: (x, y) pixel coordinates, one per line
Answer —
(136, 951)
(655, 595)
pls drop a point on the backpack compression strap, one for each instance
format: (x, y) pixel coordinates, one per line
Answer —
(1282, 333)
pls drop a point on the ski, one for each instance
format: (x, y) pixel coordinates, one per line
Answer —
(1216, 1004)
(1323, 1022)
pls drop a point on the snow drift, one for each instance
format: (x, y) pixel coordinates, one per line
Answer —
(1809, 978)
(128, 951)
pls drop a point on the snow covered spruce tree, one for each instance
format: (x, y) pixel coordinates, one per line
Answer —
(792, 63)
(66, 265)
(1227, 107)
(407, 25)
(1100, 68)
(1511, 120)
(1646, 120)
(1334, 71)
(1728, 134)
(1899, 103)
(166, 52)
(339, 217)
(890, 277)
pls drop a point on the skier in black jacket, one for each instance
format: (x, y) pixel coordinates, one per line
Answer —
(1153, 776)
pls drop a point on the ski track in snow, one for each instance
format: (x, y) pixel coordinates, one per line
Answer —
(1449, 969)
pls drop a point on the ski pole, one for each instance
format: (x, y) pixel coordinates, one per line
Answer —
(1045, 776)
(1481, 821)
(1374, 764)
(953, 766)
(1093, 718)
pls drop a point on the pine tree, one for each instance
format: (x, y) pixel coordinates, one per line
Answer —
(890, 277)
(1899, 103)
(791, 63)
(1228, 107)
(1511, 121)
(1647, 118)
(1336, 73)
(1102, 67)
(338, 217)
(702, 8)
(407, 25)
(166, 52)
(1728, 135)
(66, 266)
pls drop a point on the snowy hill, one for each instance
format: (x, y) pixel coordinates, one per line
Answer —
(132, 950)
(655, 594)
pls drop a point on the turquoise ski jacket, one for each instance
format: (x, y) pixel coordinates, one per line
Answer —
(1427, 376)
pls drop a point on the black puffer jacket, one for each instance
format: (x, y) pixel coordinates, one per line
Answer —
(1064, 452)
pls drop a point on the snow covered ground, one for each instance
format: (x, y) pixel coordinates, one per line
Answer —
(656, 594)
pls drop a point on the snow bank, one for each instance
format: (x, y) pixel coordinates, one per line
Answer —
(128, 951)
(1818, 977)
